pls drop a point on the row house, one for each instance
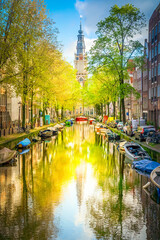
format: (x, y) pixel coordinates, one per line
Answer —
(154, 67)
(146, 80)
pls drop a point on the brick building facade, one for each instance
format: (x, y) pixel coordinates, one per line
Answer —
(154, 68)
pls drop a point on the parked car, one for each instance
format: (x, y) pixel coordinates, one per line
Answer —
(120, 126)
(142, 132)
(132, 125)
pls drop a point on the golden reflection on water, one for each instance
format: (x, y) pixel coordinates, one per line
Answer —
(75, 186)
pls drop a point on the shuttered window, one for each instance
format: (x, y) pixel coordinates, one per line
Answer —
(158, 69)
(158, 91)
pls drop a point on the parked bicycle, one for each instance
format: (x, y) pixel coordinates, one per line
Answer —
(153, 137)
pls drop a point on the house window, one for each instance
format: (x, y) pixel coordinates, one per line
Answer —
(155, 54)
(152, 93)
(152, 75)
(152, 53)
(158, 91)
(156, 33)
(155, 92)
(153, 35)
(149, 93)
(149, 55)
(159, 27)
(159, 48)
(158, 69)
(155, 74)
(149, 36)
(149, 74)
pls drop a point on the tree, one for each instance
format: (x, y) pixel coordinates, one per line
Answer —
(115, 44)
(35, 28)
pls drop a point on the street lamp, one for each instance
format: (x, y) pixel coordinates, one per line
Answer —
(19, 103)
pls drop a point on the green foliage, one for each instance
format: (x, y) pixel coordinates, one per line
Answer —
(115, 46)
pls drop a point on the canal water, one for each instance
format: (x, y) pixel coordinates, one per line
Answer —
(76, 186)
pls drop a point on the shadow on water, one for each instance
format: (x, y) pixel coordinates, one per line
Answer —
(75, 186)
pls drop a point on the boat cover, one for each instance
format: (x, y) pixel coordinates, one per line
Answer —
(24, 143)
(24, 151)
(145, 165)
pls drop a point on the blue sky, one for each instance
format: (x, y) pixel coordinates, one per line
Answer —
(66, 14)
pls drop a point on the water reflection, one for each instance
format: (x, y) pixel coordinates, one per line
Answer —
(75, 186)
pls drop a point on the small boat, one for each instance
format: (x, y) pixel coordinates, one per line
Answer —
(91, 120)
(111, 135)
(36, 139)
(7, 155)
(103, 129)
(135, 152)
(45, 134)
(23, 151)
(81, 119)
(121, 144)
(54, 130)
(24, 143)
(155, 177)
(58, 127)
(145, 165)
(97, 126)
(69, 122)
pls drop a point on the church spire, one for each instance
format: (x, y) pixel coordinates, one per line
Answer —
(80, 42)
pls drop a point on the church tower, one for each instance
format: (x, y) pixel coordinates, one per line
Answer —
(81, 58)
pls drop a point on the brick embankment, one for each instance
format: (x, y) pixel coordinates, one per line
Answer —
(155, 148)
(12, 137)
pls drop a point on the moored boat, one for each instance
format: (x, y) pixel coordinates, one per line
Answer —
(135, 152)
(97, 126)
(111, 135)
(24, 143)
(54, 130)
(58, 127)
(81, 119)
(155, 177)
(91, 120)
(69, 122)
(46, 133)
(6, 155)
(145, 165)
(103, 129)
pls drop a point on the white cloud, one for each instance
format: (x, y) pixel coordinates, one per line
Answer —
(92, 11)
(88, 43)
(95, 10)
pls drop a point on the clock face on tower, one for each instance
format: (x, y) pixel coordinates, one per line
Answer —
(80, 57)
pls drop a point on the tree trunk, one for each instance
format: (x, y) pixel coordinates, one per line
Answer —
(102, 110)
(56, 110)
(44, 110)
(123, 110)
(23, 115)
(108, 109)
(120, 111)
(32, 123)
(114, 110)
(62, 112)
